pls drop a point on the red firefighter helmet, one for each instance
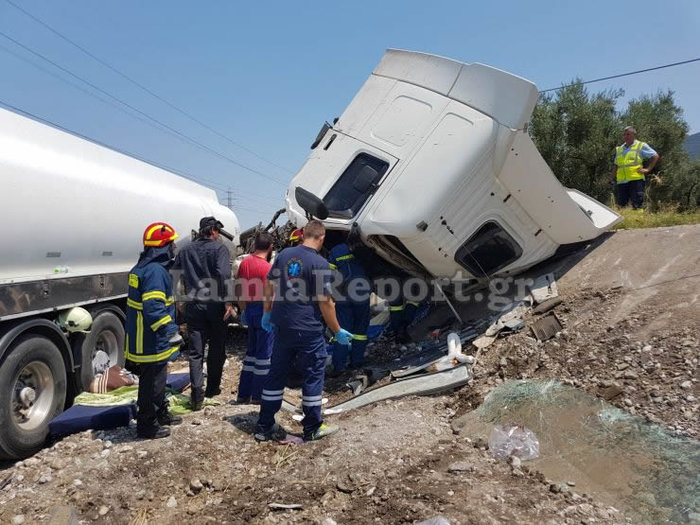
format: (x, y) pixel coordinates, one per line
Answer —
(296, 236)
(159, 234)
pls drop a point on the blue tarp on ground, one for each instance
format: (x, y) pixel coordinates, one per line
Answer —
(178, 382)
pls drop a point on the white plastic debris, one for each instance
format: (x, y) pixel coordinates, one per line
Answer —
(454, 355)
(437, 520)
(454, 345)
(513, 440)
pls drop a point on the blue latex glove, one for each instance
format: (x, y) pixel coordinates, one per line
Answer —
(265, 323)
(343, 337)
(244, 321)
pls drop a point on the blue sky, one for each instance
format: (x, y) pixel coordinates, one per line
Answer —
(267, 75)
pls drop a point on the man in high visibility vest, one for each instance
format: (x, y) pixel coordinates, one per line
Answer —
(629, 171)
(151, 333)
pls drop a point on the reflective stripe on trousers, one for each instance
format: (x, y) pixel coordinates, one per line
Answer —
(306, 351)
(256, 364)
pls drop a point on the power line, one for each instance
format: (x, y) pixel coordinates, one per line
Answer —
(211, 184)
(173, 130)
(72, 84)
(144, 88)
(200, 180)
(87, 92)
(624, 74)
(118, 150)
(255, 210)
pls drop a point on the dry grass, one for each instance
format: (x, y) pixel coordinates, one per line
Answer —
(635, 219)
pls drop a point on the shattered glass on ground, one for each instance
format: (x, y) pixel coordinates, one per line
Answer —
(639, 467)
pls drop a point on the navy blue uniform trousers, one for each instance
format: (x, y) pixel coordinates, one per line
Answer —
(631, 191)
(308, 349)
(256, 365)
(354, 317)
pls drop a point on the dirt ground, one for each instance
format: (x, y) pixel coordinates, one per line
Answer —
(630, 316)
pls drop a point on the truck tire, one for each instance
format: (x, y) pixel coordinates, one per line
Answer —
(105, 340)
(32, 393)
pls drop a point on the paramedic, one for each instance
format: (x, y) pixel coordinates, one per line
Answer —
(298, 298)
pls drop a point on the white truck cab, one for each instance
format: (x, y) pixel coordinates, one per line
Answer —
(432, 168)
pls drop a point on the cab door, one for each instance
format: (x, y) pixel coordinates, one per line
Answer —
(344, 173)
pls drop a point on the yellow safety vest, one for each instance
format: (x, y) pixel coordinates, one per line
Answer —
(628, 163)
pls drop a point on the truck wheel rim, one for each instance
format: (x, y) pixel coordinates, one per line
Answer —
(33, 395)
(106, 343)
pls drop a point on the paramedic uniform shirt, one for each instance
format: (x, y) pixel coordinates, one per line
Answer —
(300, 275)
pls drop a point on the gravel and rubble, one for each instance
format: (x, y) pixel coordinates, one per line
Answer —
(655, 377)
(394, 462)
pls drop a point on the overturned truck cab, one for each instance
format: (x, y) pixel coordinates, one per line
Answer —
(432, 168)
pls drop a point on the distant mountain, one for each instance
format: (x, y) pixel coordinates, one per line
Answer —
(692, 146)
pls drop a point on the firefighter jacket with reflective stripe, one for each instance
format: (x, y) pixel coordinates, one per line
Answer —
(150, 308)
(628, 163)
(343, 260)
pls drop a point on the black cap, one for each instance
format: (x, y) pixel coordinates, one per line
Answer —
(206, 222)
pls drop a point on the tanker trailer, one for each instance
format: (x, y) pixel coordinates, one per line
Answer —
(73, 213)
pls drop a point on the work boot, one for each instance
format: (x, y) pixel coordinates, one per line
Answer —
(334, 372)
(168, 419)
(321, 432)
(212, 393)
(269, 435)
(196, 404)
(158, 433)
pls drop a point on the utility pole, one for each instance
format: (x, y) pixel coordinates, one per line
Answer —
(229, 199)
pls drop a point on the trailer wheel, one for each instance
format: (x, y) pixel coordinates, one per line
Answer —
(101, 347)
(32, 393)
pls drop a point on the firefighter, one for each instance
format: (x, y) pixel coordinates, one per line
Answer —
(352, 306)
(151, 333)
(252, 275)
(300, 284)
(401, 315)
(296, 237)
(205, 266)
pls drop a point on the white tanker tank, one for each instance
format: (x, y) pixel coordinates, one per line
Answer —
(73, 215)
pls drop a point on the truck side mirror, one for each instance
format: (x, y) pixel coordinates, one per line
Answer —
(310, 203)
(324, 129)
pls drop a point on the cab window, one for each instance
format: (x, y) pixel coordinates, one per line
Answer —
(355, 185)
